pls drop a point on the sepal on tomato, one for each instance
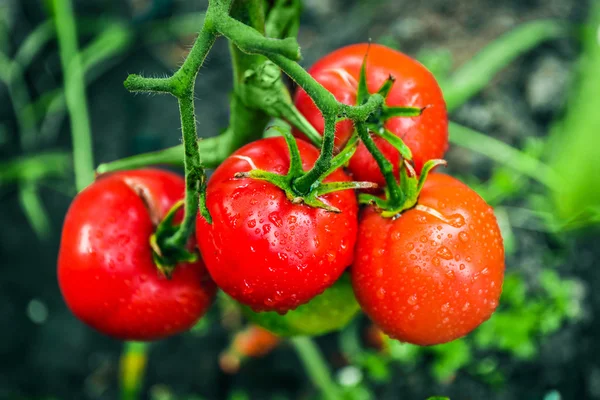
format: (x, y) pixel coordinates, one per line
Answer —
(410, 188)
(166, 256)
(295, 171)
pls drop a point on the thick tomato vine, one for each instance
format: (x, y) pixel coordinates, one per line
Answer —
(106, 270)
(434, 273)
(268, 251)
(425, 135)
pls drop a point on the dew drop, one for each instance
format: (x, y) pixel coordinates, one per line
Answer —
(412, 300)
(445, 253)
(456, 220)
(251, 223)
(463, 236)
(275, 219)
(381, 293)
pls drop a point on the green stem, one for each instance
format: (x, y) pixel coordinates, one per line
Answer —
(304, 184)
(211, 151)
(316, 367)
(246, 121)
(291, 114)
(134, 358)
(323, 99)
(13, 77)
(251, 41)
(194, 173)
(74, 93)
(395, 194)
(34, 209)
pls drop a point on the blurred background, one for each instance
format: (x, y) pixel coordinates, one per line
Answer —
(522, 81)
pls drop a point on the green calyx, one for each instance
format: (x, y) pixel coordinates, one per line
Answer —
(311, 197)
(397, 196)
(165, 253)
(376, 121)
(330, 311)
(403, 196)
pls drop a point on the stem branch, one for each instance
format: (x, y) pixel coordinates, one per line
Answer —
(316, 367)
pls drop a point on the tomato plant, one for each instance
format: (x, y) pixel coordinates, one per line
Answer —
(435, 272)
(106, 269)
(339, 72)
(278, 223)
(268, 251)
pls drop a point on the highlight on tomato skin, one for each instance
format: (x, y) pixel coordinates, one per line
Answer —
(266, 251)
(434, 273)
(106, 272)
(414, 86)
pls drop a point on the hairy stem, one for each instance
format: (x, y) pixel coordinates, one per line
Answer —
(386, 167)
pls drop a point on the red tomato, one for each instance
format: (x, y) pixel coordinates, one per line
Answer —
(105, 268)
(415, 86)
(264, 250)
(435, 273)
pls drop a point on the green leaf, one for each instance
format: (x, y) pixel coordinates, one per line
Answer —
(396, 142)
(362, 94)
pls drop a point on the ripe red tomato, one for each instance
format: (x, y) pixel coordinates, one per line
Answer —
(264, 250)
(435, 273)
(415, 86)
(105, 268)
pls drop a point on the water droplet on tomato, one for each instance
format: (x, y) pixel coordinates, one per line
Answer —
(445, 253)
(412, 300)
(275, 219)
(380, 293)
(456, 220)
(463, 236)
(251, 223)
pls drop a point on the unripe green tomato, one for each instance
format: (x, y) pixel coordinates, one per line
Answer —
(330, 311)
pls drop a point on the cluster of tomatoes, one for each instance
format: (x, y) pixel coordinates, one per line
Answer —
(427, 275)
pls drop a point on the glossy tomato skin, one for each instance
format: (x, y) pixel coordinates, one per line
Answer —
(105, 268)
(263, 250)
(435, 273)
(339, 72)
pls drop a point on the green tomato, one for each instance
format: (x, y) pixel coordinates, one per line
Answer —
(330, 311)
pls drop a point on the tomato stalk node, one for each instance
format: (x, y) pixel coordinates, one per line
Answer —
(295, 172)
(165, 252)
